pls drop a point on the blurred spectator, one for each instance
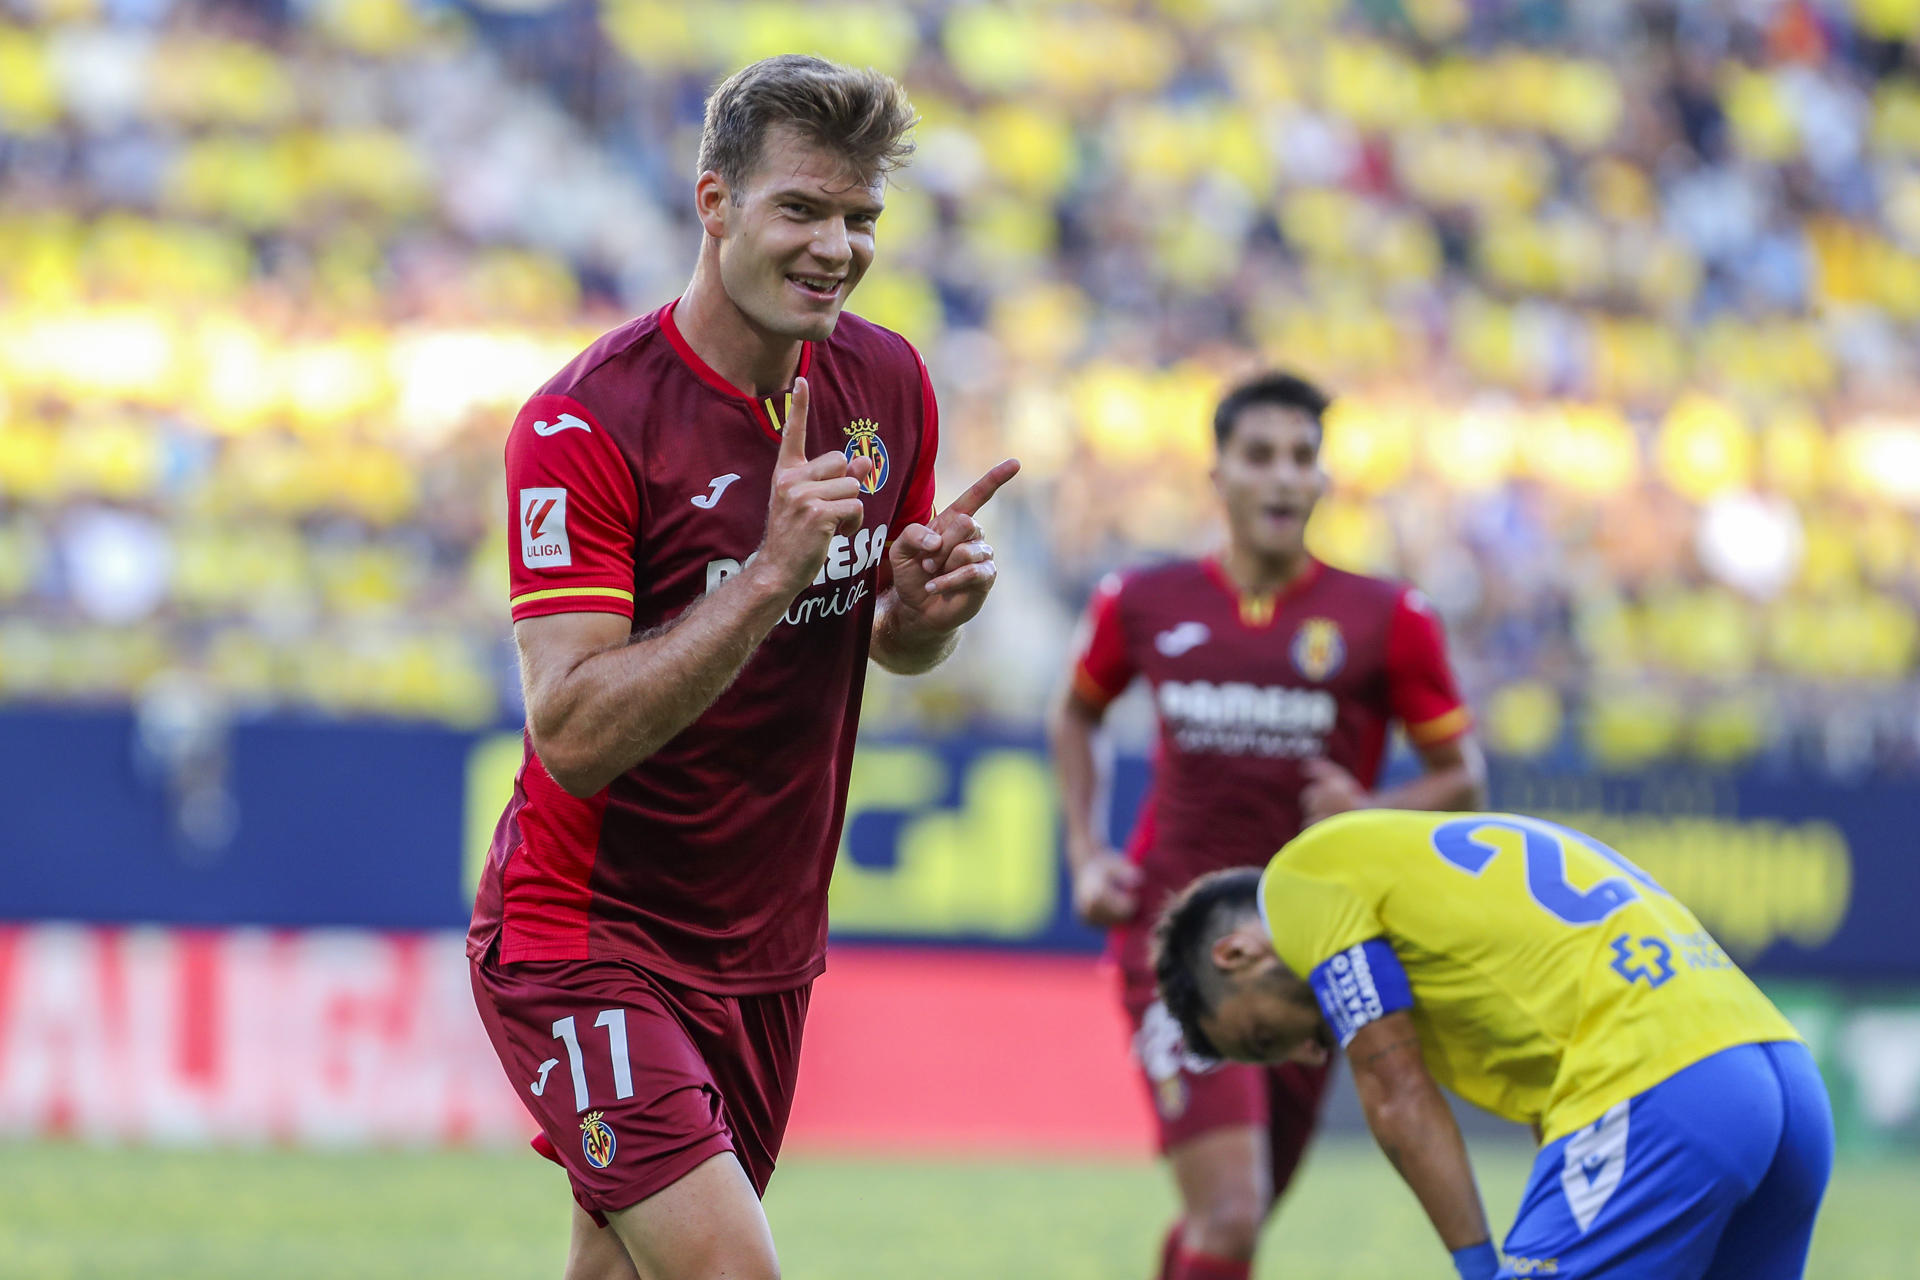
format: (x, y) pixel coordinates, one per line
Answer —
(1621, 299)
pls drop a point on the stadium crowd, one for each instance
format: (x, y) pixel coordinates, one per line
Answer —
(1620, 300)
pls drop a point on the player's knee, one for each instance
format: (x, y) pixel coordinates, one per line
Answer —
(600, 1268)
(1227, 1226)
(734, 1255)
(604, 1259)
(754, 1266)
(731, 1266)
(731, 1259)
(719, 1264)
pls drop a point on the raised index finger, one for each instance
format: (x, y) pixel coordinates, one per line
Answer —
(985, 487)
(793, 437)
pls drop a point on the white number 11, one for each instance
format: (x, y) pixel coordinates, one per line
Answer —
(615, 1021)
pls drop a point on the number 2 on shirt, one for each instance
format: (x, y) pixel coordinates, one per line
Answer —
(1545, 849)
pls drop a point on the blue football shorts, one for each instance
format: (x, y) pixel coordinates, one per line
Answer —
(1715, 1173)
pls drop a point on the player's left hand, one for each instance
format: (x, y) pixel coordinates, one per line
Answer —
(942, 571)
(1329, 790)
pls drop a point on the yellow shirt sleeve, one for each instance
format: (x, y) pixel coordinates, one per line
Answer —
(1313, 918)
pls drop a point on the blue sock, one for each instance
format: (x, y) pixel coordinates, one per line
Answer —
(1477, 1261)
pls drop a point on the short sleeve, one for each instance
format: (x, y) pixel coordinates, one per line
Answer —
(1312, 916)
(575, 513)
(916, 504)
(1420, 686)
(1102, 665)
(916, 499)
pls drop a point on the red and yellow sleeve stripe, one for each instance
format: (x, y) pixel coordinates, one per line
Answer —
(1442, 728)
(1090, 691)
(594, 597)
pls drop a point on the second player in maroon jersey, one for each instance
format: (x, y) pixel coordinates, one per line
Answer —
(1275, 680)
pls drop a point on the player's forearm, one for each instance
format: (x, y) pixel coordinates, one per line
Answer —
(1417, 1133)
(1454, 788)
(1458, 783)
(1071, 732)
(619, 706)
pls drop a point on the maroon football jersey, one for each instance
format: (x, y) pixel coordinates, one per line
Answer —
(1245, 689)
(638, 480)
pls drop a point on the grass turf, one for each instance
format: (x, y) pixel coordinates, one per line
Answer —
(78, 1211)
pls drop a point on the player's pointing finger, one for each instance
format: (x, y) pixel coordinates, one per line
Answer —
(985, 487)
(793, 439)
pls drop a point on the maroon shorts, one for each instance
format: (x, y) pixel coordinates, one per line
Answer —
(1191, 1095)
(635, 1081)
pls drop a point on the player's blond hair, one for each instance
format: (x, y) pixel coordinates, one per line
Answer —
(861, 114)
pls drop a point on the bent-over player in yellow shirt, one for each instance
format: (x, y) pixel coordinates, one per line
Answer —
(1540, 975)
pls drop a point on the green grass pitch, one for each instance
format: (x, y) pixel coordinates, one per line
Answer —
(73, 1211)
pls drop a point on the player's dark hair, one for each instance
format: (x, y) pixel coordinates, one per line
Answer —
(1190, 985)
(1281, 390)
(861, 114)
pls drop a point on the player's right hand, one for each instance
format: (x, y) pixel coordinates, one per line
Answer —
(813, 499)
(1106, 889)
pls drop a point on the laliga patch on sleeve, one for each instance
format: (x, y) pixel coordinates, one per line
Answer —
(1362, 984)
(543, 529)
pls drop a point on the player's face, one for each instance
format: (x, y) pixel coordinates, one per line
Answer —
(1269, 478)
(1268, 1015)
(798, 236)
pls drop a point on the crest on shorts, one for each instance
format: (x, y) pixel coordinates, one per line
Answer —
(1319, 650)
(597, 1141)
(1161, 1051)
(863, 441)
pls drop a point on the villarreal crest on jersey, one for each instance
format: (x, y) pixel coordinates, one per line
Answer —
(1550, 977)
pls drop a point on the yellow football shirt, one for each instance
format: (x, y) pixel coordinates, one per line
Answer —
(1551, 978)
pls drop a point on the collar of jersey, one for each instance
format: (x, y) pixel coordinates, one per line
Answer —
(762, 410)
(1241, 599)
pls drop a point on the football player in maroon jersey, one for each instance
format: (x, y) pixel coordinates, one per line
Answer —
(1275, 679)
(722, 510)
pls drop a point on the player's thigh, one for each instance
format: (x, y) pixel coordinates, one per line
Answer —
(1191, 1096)
(1769, 1236)
(708, 1225)
(1648, 1189)
(1610, 1200)
(603, 1057)
(1223, 1173)
(756, 1064)
(594, 1252)
(1296, 1095)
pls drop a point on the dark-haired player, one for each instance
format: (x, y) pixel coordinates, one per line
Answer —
(1685, 1131)
(721, 511)
(1275, 679)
